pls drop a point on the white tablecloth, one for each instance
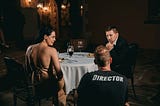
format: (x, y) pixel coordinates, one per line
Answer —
(75, 67)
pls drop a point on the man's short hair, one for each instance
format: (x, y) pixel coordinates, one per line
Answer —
(112, 27)
(102, 56)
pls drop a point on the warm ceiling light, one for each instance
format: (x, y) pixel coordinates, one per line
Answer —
(63, 6)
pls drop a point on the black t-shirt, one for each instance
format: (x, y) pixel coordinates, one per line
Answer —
(102, 88)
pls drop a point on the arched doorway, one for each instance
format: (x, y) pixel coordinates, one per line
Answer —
(47, 12)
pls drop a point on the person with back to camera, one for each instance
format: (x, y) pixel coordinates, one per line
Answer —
(42, 57)
(118, 48)
(103, 87)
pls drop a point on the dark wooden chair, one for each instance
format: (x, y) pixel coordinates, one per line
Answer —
(79, 44)
(23, 88)
(132, 56)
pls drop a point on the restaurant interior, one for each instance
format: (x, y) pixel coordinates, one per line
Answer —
(138, 22)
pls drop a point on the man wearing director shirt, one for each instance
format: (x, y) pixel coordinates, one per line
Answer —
(103, 87)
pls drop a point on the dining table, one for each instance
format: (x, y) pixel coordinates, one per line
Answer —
(75, 66)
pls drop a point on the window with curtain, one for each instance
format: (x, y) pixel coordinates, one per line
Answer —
(153, 11)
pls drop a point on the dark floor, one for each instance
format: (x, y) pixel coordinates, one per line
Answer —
(147, 80)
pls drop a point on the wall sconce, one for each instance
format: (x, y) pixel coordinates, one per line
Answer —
(45, 8)
(65, 14)
(63, 6)
(29, 1)
(81, 7)
(47, 11)
(40, 5)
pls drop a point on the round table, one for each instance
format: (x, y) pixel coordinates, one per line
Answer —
(75, 67)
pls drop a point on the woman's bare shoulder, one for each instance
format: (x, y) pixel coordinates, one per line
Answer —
(50, 50)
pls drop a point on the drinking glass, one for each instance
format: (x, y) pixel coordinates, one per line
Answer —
(70, 50)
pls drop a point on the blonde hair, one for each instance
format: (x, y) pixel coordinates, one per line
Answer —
(102, 56)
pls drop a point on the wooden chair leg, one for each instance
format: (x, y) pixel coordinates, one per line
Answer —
(55, 100)
(39, 102)
(30, 101)
(14, 100)
(132, 83)
(75, 97)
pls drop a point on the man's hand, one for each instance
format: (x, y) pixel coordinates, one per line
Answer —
(109, 46)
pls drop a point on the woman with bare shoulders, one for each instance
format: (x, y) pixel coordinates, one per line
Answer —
(42, 61)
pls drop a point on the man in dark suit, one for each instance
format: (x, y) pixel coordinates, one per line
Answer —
(118, 48)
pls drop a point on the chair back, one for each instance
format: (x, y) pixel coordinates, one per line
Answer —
(24, 89)
(15, 71)
(132, 56)
(79, 44)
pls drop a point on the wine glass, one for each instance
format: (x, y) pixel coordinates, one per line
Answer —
(70, 50)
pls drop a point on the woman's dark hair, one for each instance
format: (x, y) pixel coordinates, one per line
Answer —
(45, 30)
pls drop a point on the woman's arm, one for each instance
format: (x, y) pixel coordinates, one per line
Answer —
(56, 64)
